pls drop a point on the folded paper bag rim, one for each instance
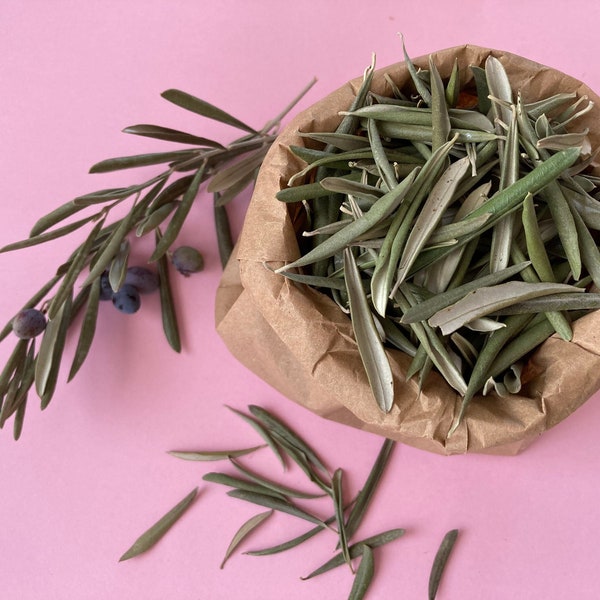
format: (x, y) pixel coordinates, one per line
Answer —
(299, 341)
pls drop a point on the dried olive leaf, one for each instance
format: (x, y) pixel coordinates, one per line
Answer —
(205, 109)
(554, 302)
(210, 455)
(276, 504)
(50, 352)
(223, 231)
(118, 266)
(264, 433)
(140, 160)
(48, 236)
(485, 300)
(88, 329)
(242, 484)
(80, 258)
(181, 213)
(439, 198)
(103, 259)
(441, 558)
(383, 208)
(364, 575)
(280, 489)
(426, 308)
(243, 532)
(155, 218)
(284, 432)
(170, 135)
(357, 550)
(338, 503)
(367, 492)
(370, 346)
(167, 306)
(149, 538)
(14, 361)
(291, 543)
(232, 174)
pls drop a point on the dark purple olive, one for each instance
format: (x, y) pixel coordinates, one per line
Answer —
(29, 323)
(127, 299)
(106, 291)
(141, 278)
(187, 260)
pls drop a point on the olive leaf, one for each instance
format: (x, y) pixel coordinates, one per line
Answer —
(170, 135)
(364, 575)
(205, 109)
(210, 455)
(150, 537)
(357, 550)
(167, 305)
(88, 329)
(243, 532)
(370, 346)
(485, 300)
(439, 562)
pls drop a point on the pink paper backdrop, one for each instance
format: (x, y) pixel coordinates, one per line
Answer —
(91, 472)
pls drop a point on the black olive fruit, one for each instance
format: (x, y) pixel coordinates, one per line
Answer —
(187, 260)
(29, 323)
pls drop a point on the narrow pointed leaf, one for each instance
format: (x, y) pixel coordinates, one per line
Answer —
(149, 538)
(427, 308)
(79, 261)
(243, 532)
(486, 300)
(167, 306)
(50, 351)
(181, 213)
(170, 135)
(338, 503)
(338, 241)
(280, 489)
(140, 160)
(364, 575)
(47, 236)
(367, 492)
(205, 109)
(275, 504)
(230, 175)
(291, 543)
(241, 484)
(118, 266)
(88, 329)
(439, 198)
(440, 560)
(111, 249)
(370, 346)
(357, 550)
(15, 359)
(276, 426)
(264, 434)
(210, 455)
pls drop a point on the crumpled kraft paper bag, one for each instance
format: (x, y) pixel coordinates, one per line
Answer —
(299, 341)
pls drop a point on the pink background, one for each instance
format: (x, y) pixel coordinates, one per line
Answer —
(91, 472)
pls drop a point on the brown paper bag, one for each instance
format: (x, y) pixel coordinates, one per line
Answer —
(302, 344)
